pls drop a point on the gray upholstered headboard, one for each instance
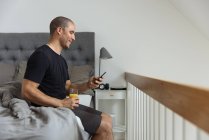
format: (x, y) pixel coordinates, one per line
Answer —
(16, 47)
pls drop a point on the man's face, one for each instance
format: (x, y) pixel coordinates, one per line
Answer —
(67, 36)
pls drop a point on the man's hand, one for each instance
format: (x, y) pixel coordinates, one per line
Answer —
(94, 82)
(70, 102)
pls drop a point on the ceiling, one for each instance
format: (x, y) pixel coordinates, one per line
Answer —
(196, 11)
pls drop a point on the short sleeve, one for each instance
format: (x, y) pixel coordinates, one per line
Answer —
(36, 67)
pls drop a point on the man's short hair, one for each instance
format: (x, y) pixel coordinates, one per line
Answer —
(59, 22)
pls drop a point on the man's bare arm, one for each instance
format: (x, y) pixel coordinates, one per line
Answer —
(91, 84)
(31, 93)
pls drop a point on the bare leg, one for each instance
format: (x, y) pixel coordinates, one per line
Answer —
(104, 132)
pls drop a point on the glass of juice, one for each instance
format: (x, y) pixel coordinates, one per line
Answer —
(73, 93)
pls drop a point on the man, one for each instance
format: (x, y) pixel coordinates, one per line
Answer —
(46, 80)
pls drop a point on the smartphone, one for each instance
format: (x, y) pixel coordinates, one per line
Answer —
(99, 77)
(102, 75)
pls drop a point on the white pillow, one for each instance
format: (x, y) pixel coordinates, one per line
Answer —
(20, 71)
(6, 72)
(80, 74)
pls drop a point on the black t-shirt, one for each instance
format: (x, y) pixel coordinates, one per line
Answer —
(48, 69)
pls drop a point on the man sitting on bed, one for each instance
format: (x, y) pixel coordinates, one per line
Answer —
(46, 80)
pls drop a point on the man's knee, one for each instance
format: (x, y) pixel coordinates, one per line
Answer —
(106, 124)
(108, 119)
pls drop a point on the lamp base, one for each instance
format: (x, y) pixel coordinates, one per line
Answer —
(104, 86)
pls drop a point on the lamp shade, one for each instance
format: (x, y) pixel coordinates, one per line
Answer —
(104, 54)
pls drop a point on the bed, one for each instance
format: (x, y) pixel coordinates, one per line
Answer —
(19, 120)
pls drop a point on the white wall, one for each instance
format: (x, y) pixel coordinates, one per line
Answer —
(146, 37)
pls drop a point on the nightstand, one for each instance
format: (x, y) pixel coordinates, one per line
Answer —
(113, 102)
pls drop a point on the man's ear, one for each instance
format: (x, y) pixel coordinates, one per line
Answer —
(59, 30)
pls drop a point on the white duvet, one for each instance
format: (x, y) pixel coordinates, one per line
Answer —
(20, 122)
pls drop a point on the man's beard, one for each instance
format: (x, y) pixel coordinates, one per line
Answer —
(64, 45)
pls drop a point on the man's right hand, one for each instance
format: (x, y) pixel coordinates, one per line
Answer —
(70, 102)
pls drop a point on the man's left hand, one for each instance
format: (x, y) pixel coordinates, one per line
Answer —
(94, 82)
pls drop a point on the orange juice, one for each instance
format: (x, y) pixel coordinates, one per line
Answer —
(73, 95)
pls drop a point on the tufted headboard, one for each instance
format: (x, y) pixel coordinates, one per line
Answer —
(17, 47)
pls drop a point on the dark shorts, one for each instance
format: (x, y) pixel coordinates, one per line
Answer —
(90, 118)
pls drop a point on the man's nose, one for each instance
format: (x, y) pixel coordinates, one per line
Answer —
(73, 37)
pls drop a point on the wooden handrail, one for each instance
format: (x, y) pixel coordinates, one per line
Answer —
(191, 103)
